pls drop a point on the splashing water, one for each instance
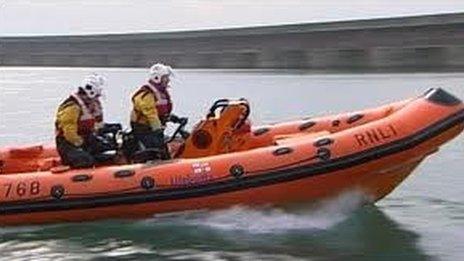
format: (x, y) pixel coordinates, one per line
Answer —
(275, 220)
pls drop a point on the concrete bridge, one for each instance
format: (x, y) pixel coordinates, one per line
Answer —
(433, 42)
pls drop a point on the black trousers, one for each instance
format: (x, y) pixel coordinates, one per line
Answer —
(150, 139)
(75, 157)
(85, 156)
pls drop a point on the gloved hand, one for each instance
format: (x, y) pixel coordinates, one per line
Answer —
(173, 118)
(176, 119)
(183, 120)
(110, 128)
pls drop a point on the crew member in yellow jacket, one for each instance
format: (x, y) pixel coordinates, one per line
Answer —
(152, 107)
(77, 120)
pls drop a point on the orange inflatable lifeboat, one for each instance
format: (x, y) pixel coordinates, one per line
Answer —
(226, 162)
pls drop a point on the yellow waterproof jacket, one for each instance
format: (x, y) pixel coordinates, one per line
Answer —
(144, 109)
(67, 122)
(73, 121)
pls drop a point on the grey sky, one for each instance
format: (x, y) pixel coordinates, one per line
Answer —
(26, 17)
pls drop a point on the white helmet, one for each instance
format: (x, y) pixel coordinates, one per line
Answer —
(92, 85)
(159, 70)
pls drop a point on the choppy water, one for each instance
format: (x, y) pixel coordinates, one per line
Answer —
(423, 219)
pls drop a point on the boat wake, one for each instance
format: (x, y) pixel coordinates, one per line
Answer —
(322, 216)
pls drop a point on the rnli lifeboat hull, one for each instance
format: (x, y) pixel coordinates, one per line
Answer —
(373, 159)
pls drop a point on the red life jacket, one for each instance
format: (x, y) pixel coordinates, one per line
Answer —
(91, 113)
(163, 99)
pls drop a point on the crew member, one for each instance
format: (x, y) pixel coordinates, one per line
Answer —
(152, 107)
(78, 120)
